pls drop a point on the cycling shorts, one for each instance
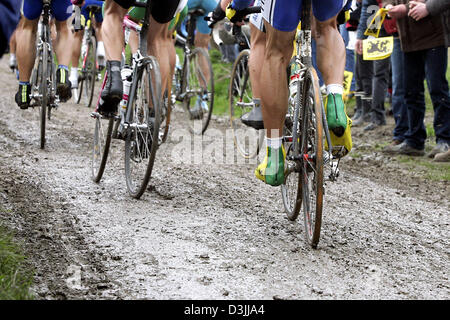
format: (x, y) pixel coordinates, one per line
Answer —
(162, 10)
(257, 19)
(61, 9)
(208, 6)
(98, 14)
(284, 15)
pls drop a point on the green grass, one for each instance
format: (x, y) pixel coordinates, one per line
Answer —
(430, 170)
(15, 278)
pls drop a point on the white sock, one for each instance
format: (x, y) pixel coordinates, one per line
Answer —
(274, 143)
(100, 48)
(335, 89)
(74, 72)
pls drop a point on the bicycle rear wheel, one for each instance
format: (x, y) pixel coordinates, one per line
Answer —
(102, 141)
(90, 71)
(311, 154)
(43, 92)
(144, 118)
(199, 86)
(247, 140)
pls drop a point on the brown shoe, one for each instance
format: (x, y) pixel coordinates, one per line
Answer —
(442, 157)
(388, 148)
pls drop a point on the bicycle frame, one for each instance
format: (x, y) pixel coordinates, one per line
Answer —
(44, 43)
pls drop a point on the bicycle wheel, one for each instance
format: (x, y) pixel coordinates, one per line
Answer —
(144, 118)
(311, 154)
(102, 141)
(90, 74)
(247, 140)
(43, 92)
(291, 189)
(199, 95)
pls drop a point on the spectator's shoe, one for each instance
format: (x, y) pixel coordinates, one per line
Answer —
(442, 157)
(388, 148)
(440, 147)
(358, 121)
(113, 91)
(371, 126)
(271, 170)
(336, 117)
(63, 85)
(23, 96)
(406, 149)
(253, 118)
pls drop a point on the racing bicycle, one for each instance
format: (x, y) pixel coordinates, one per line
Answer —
(306, 138)
(194, 81)
(138, 125)
(43, 86)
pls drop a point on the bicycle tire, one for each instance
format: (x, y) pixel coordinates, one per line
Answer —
(291, 189)
(312, 147)
(240, 91)
(91, 71)
(137, 149)
(165, 119)
(192, 97)
(101, 148)
(43, 87)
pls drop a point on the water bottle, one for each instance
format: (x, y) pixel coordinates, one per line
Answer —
(294, 77)
(126, 78)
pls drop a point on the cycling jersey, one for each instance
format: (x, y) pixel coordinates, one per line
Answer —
(98, 15)
(284, 15)
(162, 10)
(60, 9)
(257, 19)
(208, 6)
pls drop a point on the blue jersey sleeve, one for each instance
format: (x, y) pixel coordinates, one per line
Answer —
(241, 4)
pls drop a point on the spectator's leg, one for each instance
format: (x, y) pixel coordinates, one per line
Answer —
(398, 93)
(436, 67)
(414, 72)
(379, 89)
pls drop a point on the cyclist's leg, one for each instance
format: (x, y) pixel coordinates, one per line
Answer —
(159, 41)
(26, 49)
(281, 19)
(113, 38)
(76, 52)
(101, 55)
(331, 61)
(258, 45)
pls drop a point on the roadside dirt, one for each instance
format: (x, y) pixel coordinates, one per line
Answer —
(210, 230)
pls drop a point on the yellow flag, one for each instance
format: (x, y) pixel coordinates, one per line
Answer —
(377, 49)
(374, 27)
(348, 76)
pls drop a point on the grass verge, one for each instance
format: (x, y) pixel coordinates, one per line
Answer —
(15, 278)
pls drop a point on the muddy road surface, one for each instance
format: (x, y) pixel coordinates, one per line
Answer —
(208, 230)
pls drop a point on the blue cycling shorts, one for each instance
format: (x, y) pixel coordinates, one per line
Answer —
(208, 6)
(284, 15)
(61, 9)
(98, 15)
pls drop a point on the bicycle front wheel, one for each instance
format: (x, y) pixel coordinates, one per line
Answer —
(247, 140)
(311, 154)
(142, 136)
(102, 141)
(199, 95)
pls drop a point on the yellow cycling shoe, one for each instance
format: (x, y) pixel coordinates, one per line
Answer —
(271, 170)
(342, 143)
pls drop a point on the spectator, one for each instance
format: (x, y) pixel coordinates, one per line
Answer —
(380, 67)
(425, 57)
(363, 77)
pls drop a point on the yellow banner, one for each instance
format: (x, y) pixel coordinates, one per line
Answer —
(378, 49)
(348, 76)
(374, 27)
